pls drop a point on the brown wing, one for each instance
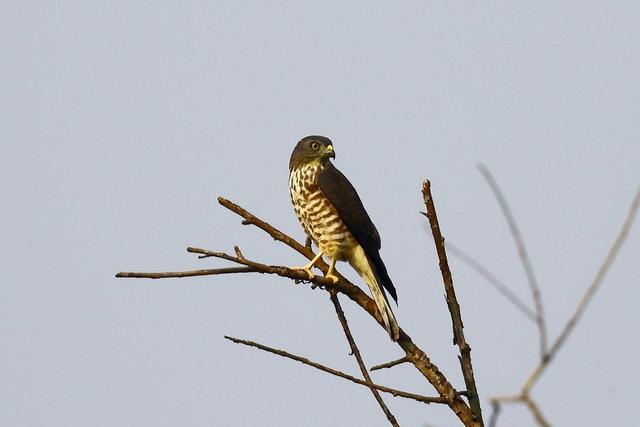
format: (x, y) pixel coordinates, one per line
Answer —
(337, 188)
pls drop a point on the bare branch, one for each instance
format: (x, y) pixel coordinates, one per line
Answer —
(389, 364)
(250, 219)
(238, 252)
(177, 274)
(414, 354)
(536, 412)
(452, 304)
(495, 413)
(496, 403)
(523, 255)
(303, 360)
(493, 280)
(507, 398)
(356, 352)
(586, 298)
(291, 273)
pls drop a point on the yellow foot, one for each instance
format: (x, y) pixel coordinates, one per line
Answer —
(332, 277)
(306, 270)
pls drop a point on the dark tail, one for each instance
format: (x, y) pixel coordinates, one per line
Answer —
(382, 277)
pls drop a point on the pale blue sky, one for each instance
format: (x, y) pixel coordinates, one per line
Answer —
(120, 123)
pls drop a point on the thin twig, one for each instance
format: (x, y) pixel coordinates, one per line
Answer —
(389, 364)
(493, 280)
(495, 413)
(177, 274)
(356, 352)
(304, 360)
(238, 252)
(291, 273)
(452, 304)
(509, 398)
(523, 255)
(533, 407)
(250, 219)
(536, 412)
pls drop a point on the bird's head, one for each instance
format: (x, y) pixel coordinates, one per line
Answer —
(311, 149)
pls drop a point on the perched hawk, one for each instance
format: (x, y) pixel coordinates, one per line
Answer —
(334, 218)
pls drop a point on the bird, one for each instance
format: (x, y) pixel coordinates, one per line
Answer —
(334, 218)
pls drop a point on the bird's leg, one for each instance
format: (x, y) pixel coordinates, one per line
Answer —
(330, 275)
(307, 243)
(310, 265)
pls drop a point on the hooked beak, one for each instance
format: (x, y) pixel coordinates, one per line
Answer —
(329, 152)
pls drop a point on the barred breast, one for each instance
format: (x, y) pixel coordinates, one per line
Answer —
(317, 215)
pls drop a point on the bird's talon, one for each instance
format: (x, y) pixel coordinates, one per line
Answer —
(332, 277)
(310, 274)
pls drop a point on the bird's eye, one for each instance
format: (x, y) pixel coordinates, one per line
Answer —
(315, 145)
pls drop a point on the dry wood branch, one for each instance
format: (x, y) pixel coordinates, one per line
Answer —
(533, 407)
(389, 364)
(250, 219)
(304, 360)
(536, 412)
(414, 354)
(523, 255)
(178, 274)
(495, 413)
(422, 362)
(493, 280)
(291, 273)
(452, 304)
(356, 352)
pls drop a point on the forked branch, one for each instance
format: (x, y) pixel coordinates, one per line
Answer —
(415, 355)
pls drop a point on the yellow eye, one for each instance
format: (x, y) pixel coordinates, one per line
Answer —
(315, 145)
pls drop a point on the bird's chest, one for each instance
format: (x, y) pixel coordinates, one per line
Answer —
(316, 213)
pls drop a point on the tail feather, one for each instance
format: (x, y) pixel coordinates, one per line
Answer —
(381, 275)
(390, 323)
(368, 271)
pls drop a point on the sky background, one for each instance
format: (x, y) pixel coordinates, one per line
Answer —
(121, 122)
